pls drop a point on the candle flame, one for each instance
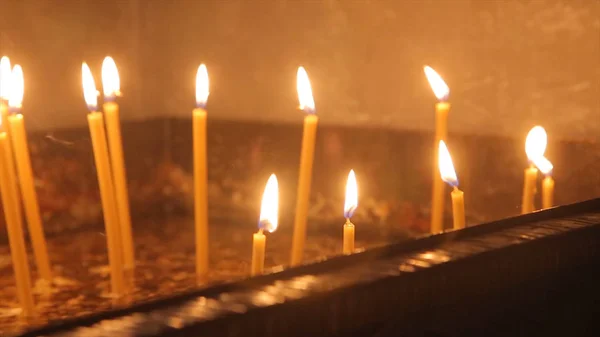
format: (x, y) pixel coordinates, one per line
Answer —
(535, 144)
(5, 73)
(351, 195)
(446, 166)
(544, 165)
(269, 206)
(439, 87)
(17, 88)
(111, 83)
(90, 94)
(305, 96)
(202, 86)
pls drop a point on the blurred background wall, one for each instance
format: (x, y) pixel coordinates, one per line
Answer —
(509, 63)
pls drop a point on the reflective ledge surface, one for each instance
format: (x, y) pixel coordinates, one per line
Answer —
(415, 285)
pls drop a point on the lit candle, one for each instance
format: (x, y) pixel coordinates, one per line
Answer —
(200, 174)
(25, 174)
(545, 166)
(307, 104)
(267, 222)
(535, 146)
(14, 226)
(112, 88)
(349, 207)
(442, 92)
(448, 175)
(105, 182)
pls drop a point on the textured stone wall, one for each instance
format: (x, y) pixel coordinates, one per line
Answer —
(510, 64)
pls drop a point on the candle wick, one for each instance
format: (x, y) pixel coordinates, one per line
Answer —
(260, 231)
(456, 188)
(348, 221)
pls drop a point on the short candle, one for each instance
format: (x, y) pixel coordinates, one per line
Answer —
(350, 206)
(546, 167)
(535, 146)
(448, 174)
(268, 221)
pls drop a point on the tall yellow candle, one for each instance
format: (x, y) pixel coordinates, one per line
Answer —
(14, 227)
(201, 175)
(546, 167)
(535, 146)
(25, 175)
(105, 183)
(111, 86)
(306, 162)
(448, 174)
(268, 221)
(441, 91)
(350, 206)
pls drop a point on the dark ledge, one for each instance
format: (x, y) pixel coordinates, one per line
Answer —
(410, 283)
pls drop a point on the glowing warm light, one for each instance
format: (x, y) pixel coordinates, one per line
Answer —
(201, 86)
(305, 96)
(544, 165)
(351, 196)
(535, 144)
(5, 73)
(17, 88)
(90, 94)
(111, 83)
(439, 87)
(446, 166)
(269, 208)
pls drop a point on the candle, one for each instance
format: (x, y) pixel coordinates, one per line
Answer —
(545, 166)
(535, 146)
(448, 175)
(105, 183)
(111, 88)
(14, 227)
(25, 174)
(267, 222)
(442, 92)
(306, 162)
(349, 207)
(200, 174)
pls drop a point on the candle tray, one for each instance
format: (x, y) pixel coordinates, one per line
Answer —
(466, 281)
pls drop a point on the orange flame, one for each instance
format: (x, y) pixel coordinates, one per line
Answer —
(351, 202)
(17, 88)
(305, 96)
(202, 86)
(535, 144)
(90, 94)
(111, 82)
(5, 74)
(446, 166)
(439, 87)
(544, 165)
(269, 212)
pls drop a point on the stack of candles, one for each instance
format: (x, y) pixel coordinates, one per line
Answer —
(105, 132)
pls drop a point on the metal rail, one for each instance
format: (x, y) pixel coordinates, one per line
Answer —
(399, 282)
